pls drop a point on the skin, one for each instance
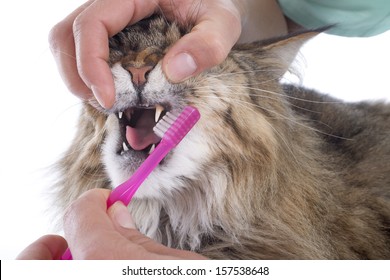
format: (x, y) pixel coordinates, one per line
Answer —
(93, 232)
(79, 43)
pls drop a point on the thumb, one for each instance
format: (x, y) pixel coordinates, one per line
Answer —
(207, 45)
(140, 246)
(120, 216)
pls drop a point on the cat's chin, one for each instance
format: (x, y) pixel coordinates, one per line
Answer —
(120, 167)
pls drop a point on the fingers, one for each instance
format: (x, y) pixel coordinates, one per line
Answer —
(138, 245)
(62, 46)
(217, 29)
(147, 248)
(91, 233)
(95, 233)
(48, 247)
(88, 230)
(92, 28)
(80, 44)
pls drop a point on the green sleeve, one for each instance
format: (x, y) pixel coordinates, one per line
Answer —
(358, 18)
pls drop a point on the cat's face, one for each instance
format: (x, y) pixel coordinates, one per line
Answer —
(231, 108)
(143, 96)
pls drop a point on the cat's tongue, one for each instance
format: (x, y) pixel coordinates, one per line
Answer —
(142, 135)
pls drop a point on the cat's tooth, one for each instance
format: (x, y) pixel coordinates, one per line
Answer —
(125, 147)
(152, 148)
(120, 115)
(159, 110)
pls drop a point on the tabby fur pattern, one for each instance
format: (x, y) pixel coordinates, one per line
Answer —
(271, 171)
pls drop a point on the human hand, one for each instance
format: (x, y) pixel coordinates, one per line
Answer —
(48, 247)
(93, 232)
(79, 43)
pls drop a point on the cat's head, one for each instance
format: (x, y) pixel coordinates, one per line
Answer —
(239, 101)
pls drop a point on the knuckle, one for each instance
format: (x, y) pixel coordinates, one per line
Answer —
(80, 90)
(216, 49)
(78, 24)
(220, 50)
(59, 35)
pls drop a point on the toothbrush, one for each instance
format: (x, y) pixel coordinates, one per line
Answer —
(171, 129)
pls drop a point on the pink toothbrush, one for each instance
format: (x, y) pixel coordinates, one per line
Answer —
(172, 129)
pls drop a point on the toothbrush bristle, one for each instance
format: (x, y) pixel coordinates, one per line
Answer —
(173, 127)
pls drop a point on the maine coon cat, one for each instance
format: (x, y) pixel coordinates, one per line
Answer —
(271, 171)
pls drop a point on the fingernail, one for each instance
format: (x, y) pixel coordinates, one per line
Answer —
(121, 215)
(99, 96)
(180, 67)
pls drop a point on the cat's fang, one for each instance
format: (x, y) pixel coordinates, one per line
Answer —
(120, 115)
(125, 148)
(159, 110)
(152, 148)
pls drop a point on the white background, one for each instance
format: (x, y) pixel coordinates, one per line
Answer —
(38, 114)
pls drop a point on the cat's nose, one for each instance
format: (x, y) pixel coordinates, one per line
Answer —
(139, 74)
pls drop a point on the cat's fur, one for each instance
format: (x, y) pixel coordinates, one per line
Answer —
(271, 171)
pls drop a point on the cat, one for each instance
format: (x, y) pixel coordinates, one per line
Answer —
(271, 170)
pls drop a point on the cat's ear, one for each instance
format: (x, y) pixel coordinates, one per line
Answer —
(285, 49)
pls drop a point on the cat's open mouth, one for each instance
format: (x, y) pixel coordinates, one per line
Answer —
(136, 128)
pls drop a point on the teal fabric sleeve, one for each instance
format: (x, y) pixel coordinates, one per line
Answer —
(354, 18)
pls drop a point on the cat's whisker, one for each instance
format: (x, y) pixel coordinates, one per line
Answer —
(281, 137)
(278, 115)
(239, 86)
(243, 72)
(281, 94)
(260, 176)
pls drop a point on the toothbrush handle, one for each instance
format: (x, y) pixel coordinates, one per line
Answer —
(67, 256)
(126, 190)
(171, 137)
